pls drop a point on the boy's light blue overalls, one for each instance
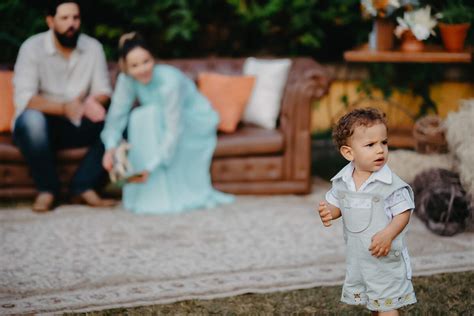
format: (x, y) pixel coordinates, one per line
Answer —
(383, 283)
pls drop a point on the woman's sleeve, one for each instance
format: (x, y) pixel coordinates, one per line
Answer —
(172, 121)
(117, 117)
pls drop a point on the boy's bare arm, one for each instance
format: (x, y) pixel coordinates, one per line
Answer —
(382, 241)
(328, 212)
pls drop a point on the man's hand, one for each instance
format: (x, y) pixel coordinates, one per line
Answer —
(325, 214)
(108, 159)
(381, 244)
(74, 110)
(93, 110)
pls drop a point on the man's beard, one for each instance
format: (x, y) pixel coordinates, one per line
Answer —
(67, 41)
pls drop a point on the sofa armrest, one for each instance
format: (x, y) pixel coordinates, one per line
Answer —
(308, 82)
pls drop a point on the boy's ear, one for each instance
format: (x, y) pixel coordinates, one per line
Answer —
(346, 152)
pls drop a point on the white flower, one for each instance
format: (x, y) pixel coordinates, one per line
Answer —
(394, 3)
(373, 8)
(420, 22)
(420, 32)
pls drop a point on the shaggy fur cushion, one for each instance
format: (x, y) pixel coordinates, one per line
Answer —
(408, 164)
(460, 135)
(441, 202)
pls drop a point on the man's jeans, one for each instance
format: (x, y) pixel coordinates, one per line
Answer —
(39, 135)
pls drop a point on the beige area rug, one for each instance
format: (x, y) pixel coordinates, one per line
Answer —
(80, 259)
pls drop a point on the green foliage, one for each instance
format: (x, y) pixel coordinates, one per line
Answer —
(456, 12)
(417, 78)
(323, 29)
(185, 28)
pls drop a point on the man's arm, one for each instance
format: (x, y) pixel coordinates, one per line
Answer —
(45, 105)
(72, 110)
(100, 85)
(26, 87)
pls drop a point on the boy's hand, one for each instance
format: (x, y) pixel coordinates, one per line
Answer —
(381, 244)
(325, 214)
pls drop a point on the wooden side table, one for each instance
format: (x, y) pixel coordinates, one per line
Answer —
(431, 54)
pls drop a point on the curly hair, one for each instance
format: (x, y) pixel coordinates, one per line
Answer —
(357, 117)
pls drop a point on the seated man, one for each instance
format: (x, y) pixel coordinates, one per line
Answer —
(61, 84)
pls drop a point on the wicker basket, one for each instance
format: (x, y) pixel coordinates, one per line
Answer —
(429, 135)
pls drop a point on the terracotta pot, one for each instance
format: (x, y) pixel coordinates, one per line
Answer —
(383, 34)
(410, 43)
(454, 35)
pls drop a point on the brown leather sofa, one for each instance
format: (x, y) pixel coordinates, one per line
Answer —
(252, 160)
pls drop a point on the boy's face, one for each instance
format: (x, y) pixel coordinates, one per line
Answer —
(367, 147)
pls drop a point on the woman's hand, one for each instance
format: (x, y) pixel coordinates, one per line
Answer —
(108, 159)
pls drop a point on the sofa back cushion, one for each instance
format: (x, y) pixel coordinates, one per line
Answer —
(264, 105)
(193, 67)
(234, 66)
(6, 100)
(228, 95)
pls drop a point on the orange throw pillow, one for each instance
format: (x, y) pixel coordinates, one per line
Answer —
(6, 100)
(228, 95)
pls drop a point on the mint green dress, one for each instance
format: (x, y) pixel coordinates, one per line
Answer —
(172, 135)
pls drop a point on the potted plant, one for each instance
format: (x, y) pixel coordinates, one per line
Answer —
(455, 22)
(381, 37)
(415, 27)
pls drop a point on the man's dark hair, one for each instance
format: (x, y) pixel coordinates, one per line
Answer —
(53, 5)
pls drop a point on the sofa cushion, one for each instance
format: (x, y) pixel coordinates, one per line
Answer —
(249, 140)
(228, 95)
(6, 100)
(264, 104)
(11, 153)
(246, 140)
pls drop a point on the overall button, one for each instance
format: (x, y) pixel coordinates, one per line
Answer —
(376, 199)
(342, 195)
(397, 253)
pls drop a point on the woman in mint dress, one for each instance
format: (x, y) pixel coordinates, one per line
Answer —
(172, 135)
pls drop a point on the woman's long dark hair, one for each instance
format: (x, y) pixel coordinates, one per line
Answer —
(128, 42)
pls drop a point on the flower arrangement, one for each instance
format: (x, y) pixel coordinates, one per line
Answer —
(379, 8)
(385, 8)
(420, 22)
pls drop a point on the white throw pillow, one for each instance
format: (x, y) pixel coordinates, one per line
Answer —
(264, 104)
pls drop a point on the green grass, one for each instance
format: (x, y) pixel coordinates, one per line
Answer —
(442, 294)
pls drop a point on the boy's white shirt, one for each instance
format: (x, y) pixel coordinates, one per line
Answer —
(398, 202)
